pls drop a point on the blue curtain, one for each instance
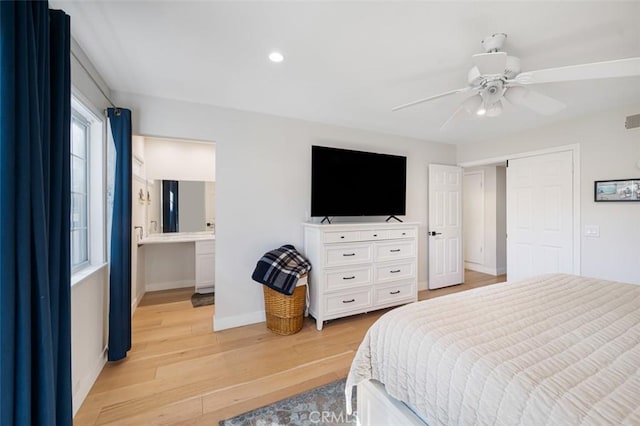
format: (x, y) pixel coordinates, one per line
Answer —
(120, 259)
(35, 292)
(170, 206)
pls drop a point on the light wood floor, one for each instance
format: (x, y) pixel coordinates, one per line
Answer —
(180, 372)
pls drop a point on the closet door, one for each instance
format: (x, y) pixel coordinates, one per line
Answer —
(540, 215)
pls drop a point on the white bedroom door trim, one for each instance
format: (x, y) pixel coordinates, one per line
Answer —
(575, 148)
(445, 226)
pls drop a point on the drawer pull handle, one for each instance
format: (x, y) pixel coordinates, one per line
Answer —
(394, 292)
(375, 235)
(394, 250)
(349, 278)
(395, 271)
(349, 301)
(404, 233)
(348, 254)
(342, 236)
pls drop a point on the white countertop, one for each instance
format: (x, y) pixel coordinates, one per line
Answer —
(177, 237)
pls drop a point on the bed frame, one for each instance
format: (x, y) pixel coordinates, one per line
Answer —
(377, 407)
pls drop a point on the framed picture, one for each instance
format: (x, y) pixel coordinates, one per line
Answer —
(617, 190)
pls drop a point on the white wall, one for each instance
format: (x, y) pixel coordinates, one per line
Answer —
(473, 226)
(139, 218)
(89, 317)
(210, 205)
(263, 184)
(179, 159)
(607, 151)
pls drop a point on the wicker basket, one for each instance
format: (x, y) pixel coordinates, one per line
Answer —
(285, 314)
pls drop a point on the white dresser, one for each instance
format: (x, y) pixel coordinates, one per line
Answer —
(360, 267)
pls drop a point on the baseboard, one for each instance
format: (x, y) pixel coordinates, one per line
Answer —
(134, 305)
(168, 285)
(136, 302)
(238, 320)
(86, 383)
(481, 268)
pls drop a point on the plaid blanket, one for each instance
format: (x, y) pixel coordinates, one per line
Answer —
(280, 269)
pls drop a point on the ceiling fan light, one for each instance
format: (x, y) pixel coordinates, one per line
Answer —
(472, 104)
(481, 111)
(494, 110)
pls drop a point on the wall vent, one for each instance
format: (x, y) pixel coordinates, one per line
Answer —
(632, 122)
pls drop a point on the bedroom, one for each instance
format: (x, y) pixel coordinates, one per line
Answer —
(260, 150)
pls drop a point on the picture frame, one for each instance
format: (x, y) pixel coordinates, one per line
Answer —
(617, 190)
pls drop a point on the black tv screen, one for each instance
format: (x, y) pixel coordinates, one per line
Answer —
(356, 183)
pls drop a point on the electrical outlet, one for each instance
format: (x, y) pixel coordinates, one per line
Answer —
(592, 231)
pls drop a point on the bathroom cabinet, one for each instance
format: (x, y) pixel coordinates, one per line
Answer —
(205, 266)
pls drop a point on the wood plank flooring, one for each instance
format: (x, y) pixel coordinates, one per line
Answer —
(180, 372)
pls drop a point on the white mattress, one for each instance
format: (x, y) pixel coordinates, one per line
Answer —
(558, 349)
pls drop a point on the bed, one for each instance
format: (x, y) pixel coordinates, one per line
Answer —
(557, 349)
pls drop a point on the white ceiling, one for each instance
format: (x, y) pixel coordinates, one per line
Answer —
(348, 63)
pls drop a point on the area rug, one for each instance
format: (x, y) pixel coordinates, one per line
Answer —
(320, 406)
(205, 299)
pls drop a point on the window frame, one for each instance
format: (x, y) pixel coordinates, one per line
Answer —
(78, 117)
(96, 185)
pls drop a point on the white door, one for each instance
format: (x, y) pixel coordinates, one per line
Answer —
(445, 226)
(473, 217)
(540, 215)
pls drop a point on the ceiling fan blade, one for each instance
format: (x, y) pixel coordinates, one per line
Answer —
(457, 114)
(609, 69)
(490, 63)
(535, 101)
(430, 98)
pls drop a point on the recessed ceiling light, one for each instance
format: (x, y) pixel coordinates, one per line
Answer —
(276, 57)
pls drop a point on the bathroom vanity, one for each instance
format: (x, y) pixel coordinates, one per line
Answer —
(180, 259)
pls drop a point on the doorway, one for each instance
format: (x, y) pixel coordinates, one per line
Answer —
(174, 216)
(484, 219)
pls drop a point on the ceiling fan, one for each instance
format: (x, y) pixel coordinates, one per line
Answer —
(496, 77)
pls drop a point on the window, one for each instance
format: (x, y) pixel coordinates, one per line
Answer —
(80, 131)
(87, 215)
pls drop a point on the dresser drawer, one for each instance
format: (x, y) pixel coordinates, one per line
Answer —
(341, 237)
(374, 235)
(394, 250)
(348, 254)
(348, 301)
(394, 292)
(347, 278)
(402, 233)
(395, 271)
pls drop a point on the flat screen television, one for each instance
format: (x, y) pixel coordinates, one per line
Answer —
(357, 183)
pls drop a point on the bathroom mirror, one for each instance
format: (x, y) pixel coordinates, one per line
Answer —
(181, 206)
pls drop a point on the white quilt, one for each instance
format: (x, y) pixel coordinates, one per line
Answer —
(556, 350)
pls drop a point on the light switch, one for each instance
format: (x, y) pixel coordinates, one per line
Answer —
(592, 231)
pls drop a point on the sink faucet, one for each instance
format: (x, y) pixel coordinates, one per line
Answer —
(141, 231)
